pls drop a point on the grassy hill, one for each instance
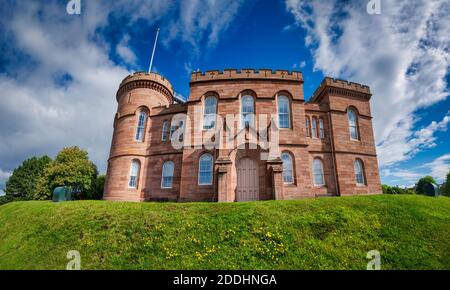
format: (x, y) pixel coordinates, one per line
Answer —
(410, 232)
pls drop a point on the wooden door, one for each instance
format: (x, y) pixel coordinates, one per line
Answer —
(247, 180)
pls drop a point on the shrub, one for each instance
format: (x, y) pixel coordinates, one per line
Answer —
(396, 190)
(420, 185)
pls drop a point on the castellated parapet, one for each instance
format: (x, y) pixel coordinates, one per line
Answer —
(342, 87)
(249, 74)
(152, 81)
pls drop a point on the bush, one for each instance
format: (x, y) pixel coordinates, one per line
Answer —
(420, 185)
(9, 198)
(396, 190)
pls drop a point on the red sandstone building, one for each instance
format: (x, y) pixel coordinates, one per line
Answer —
(241, 136)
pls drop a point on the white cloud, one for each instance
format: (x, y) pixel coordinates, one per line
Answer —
(203, 21)
(4, 176)
(438, 168)
(410, 143)
(402, 54)
(125, 52)
(302, 64)
(59, 86)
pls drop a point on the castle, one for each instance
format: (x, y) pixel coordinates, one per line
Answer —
(242, 135)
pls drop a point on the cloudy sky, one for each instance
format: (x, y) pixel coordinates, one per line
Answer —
(59, 72)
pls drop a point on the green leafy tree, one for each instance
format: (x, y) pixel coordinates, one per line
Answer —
(22, 183)
(97, 192)
(420, 185)
(445, 190)
(71, 167)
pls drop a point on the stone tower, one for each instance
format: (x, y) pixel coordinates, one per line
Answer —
(137, 95)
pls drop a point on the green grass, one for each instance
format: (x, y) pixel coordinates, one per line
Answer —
(410, 232)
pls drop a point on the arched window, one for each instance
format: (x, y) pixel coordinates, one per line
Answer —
(359, 172)
(167, 174)
(284, 114)
(205, 170)
(165, 131)
(308, 130)
(319, 179)
(141, 126)
(134, 174)
(247, 112)
(321, 129)
(288, 172)
(353, 124)
(210, 111)
(314, 128)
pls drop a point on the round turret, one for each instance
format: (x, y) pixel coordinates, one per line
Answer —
(137, 95)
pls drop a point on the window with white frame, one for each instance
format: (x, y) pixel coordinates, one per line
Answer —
(210, 111)
(288, 172)
(134, 174)
(321, 129)
(353, 124)
(205, 170)
(167, 174)
(247, 112)
(284, 114)
(319, 179)
(314, 128)
(140, 130)
(359, 172)
(165, 131)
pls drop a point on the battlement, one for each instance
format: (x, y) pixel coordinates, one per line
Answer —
(340, 84)
(234, 74)
(145, 76)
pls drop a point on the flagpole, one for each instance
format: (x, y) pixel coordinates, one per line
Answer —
(153, 53)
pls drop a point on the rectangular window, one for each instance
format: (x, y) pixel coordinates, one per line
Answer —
(165, 131)
(314, 128)
(307, 128)
(321, 129)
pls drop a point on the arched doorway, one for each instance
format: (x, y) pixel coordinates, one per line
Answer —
(247, 188)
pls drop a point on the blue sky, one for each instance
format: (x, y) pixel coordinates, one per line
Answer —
(59, 72)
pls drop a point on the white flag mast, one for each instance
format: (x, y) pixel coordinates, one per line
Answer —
(153, 53)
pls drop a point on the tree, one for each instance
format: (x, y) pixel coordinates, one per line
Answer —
(97, 192)
(420, 185)
(22, 183)
(71, 167)
(446, 186)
